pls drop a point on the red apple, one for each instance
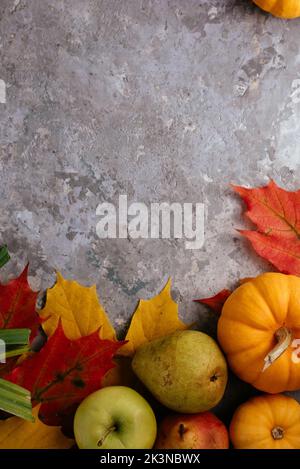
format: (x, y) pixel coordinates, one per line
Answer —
(192, 431)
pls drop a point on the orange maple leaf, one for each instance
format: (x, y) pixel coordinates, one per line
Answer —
(276, 214)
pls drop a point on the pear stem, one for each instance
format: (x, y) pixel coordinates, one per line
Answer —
(108, 431)
(284, 338)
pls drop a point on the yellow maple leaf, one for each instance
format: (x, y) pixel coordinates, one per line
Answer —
(78, 308)
(16, 433)
(152, 319)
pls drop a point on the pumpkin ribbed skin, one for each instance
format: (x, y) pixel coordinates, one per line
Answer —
(266, 422)
(246, 331)
(282, 8)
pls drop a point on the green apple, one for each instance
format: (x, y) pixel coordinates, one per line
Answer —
(116, 417)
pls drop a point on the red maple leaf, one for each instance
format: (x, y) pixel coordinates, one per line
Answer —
(64, 372)
(17, 304)
(276, 214)
(17, 310)
(217, 301)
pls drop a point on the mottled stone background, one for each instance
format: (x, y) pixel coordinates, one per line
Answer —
(161, 100)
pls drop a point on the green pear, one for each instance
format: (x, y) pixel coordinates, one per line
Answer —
(185, 371)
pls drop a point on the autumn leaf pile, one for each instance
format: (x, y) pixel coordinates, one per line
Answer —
(81, 343)
(81, 352)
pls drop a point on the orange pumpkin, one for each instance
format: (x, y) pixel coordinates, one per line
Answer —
(281, 8)
(266, 422)
(259, 330)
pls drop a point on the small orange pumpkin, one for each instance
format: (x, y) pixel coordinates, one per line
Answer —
(266, 422)
(259, 330)
(282, 8)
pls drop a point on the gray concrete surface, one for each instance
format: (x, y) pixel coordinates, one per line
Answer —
(161, 100)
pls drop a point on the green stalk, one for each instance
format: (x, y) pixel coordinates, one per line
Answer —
(4, 256)
(14, 352)
(15, 336)
(16, 342)
(15, 400)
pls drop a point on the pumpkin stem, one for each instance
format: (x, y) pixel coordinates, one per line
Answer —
(284, 338)
(277, 433)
